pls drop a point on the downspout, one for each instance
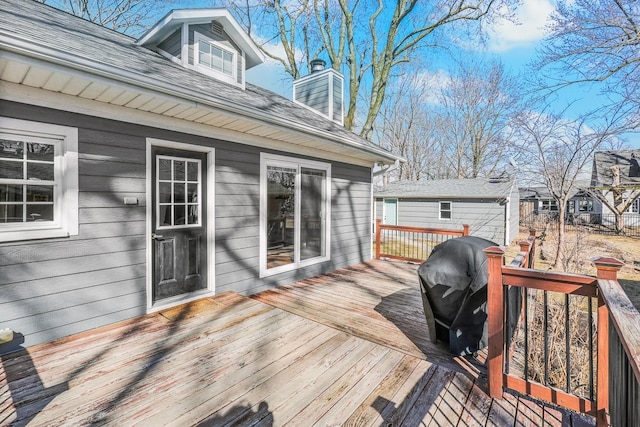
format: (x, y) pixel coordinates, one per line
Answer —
(385, 170)
(372, 216)
(507, 221)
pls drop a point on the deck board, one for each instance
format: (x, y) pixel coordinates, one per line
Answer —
(348, 348)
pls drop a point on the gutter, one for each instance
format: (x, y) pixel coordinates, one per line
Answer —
(56, 57)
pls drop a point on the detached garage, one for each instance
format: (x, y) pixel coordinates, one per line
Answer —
(489, 206)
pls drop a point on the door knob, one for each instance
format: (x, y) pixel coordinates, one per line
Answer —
(155, 236)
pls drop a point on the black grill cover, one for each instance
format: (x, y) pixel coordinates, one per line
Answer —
(453, 283)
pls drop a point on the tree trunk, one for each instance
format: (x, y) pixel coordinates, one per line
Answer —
(561, 235)
(618, 211)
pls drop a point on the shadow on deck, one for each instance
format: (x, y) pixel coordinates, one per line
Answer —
(346, 348)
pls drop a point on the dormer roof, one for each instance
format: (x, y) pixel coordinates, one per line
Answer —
(177, 18)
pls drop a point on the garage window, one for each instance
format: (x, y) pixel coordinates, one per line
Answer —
(445, 210)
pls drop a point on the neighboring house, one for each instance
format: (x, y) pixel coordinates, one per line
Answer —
(136, 175)
(489, 206)
(581, 206)
(619, 170)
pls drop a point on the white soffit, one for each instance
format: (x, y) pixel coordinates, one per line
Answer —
(60, 81)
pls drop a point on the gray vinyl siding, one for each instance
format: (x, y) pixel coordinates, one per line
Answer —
(485, 218)
(173, 44)
(337, 99)
(314, 93)
(56, 287)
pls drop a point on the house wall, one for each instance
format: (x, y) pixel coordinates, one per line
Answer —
(56, 287)
(173, 44)
(486, 218)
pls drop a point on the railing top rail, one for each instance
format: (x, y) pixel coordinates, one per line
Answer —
(625, 318)
(566, 283)
(446, 231)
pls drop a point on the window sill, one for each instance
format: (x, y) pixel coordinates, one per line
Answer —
(20, 235)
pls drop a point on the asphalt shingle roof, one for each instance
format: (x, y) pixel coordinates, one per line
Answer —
(476, 188)
(43, 26)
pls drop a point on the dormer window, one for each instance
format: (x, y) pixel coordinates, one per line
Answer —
(209, 41)
(215, 58)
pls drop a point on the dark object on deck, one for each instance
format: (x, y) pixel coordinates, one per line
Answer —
(453, 282)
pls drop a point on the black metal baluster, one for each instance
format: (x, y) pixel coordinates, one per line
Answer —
(526, 334)
(545, 325)
(592, 356)
(567, 334)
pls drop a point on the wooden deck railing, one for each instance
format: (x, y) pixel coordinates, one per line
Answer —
(616, 349)
(411, 243)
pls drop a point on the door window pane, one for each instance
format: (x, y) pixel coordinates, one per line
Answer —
(280, 216)
(294, 214)
(312, 225)
(178, 202)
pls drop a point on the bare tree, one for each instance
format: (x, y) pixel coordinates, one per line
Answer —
(477, 106)
(556, 152)
(410, 129)
(369, 38)
(131, 17)
(595, 41)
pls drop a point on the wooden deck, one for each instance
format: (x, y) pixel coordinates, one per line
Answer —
(348, 348)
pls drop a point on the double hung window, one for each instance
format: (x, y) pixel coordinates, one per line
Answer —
(445, 210)
(38, 180)
(294, 213)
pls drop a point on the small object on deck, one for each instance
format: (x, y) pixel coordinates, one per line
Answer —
(6, 335)
(453, 284)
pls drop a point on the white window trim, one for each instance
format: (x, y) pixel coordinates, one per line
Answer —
(271, 160)
(66, 176)
(229, 78)
(440, 210)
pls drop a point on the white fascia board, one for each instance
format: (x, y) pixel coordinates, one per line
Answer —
(25, 51)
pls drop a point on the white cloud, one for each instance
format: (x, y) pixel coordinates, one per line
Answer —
(433, 82)
(270, 74)
(531, 18)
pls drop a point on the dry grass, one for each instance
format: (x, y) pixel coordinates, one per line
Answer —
(581, 248)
